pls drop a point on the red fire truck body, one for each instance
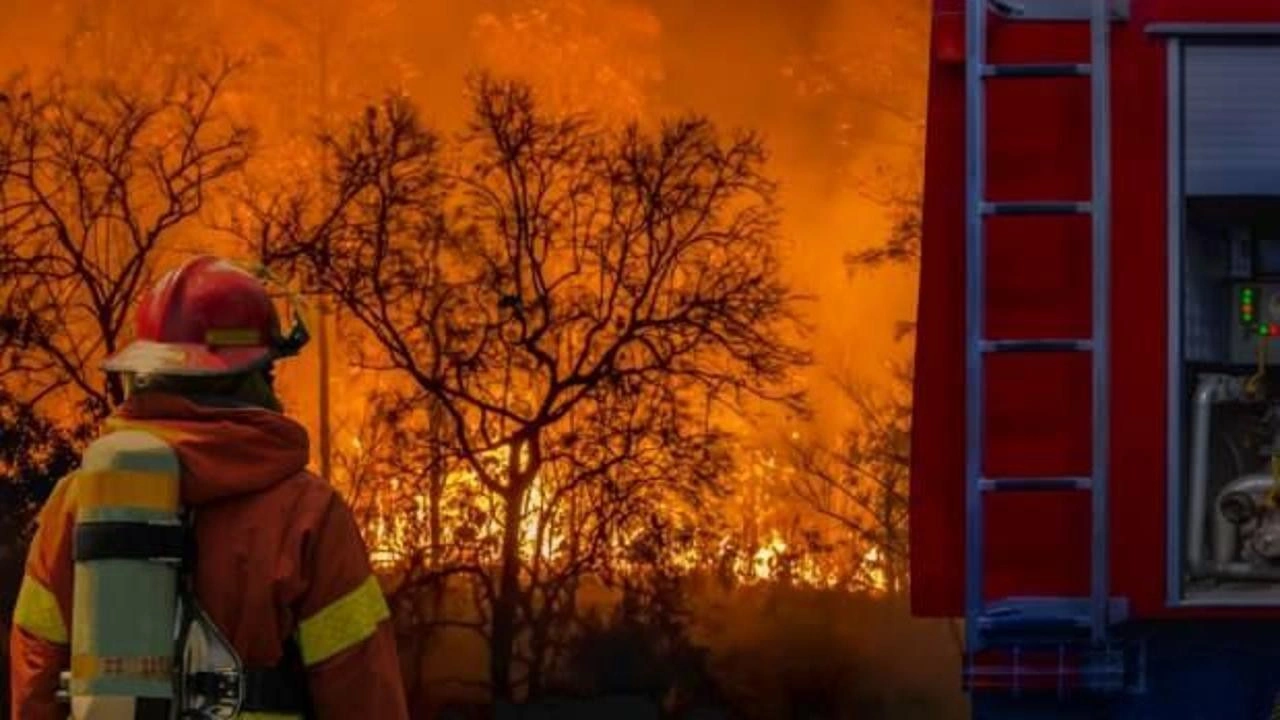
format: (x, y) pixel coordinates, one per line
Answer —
(1188, 204)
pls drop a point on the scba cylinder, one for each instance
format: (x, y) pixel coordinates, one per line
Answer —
(128, 546)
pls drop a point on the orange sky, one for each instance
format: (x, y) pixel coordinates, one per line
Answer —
(836, 85)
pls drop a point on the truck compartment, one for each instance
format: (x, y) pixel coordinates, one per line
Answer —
(1228, 432)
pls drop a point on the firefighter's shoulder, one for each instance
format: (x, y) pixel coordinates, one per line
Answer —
(307, 483)
(310, 497)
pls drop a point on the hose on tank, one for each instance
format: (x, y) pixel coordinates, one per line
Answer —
(1255, 387)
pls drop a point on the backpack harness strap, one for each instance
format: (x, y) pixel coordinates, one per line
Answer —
(280, 689)
(158, 542)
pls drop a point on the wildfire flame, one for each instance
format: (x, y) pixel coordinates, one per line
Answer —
(873, 565)
(392, 533)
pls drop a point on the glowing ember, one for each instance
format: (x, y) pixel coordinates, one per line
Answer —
(766, 559)
(873, 566)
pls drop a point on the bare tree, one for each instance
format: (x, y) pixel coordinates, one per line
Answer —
(903, 244)
(860, 482)
(613, 471)
(579, 271)
(620, 468)
(92, 180)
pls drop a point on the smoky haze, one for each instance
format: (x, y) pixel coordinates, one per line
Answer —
(836, 86)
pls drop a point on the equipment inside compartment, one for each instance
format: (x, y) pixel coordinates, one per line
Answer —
(1231, 384)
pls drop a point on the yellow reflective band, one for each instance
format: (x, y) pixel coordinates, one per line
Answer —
(84, 667)
(345, 623)
(151, 667)
(38, 613)
(232, 336)
(126, 488)
(167, 433)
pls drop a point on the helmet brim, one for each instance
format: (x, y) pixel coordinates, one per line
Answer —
(146, 357)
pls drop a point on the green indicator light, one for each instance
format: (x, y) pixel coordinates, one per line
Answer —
(1262, 330)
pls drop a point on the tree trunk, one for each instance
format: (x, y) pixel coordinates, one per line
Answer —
(890, 558)
(436, 435)
(435, 493)
(435, 487)
(417, 661)
(502, 642)
(538, 646)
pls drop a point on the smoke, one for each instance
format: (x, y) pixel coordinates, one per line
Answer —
(837, 87)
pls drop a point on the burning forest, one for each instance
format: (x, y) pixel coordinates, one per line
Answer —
(612, 302)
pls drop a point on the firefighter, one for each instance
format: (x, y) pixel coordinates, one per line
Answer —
(279, 564)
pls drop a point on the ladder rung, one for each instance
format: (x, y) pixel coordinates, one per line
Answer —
(1034, 484)
(1040, 345)
(1058, 612)
(1033, 624)
(1037, 70)
(1062, 613)
(1055, 9)
(1037, 207)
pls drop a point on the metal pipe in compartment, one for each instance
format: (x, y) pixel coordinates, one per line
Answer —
(1225, 532)
(1211, 389)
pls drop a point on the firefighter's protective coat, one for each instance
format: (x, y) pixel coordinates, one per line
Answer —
(279, 553)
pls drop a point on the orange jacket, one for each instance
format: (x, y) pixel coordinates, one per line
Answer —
(279, 553)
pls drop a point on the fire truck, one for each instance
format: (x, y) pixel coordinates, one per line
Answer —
(1095, 483)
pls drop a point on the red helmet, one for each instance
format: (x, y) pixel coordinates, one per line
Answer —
(208, 317)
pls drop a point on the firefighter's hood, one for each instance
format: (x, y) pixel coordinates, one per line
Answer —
(223, 451)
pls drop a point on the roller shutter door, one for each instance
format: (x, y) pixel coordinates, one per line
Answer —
(1232, 120)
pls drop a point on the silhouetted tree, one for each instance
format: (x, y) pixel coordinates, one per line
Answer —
(621, 466)
(903, 244)
(568, 295)
(92, 180)
(860, 482)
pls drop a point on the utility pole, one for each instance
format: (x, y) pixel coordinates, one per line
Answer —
(323, 28)
(322, 40)
(322, 338)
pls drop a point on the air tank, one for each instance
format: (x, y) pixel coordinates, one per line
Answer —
(128, 549)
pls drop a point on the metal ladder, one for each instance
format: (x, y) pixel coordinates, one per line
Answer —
(1043, 617)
